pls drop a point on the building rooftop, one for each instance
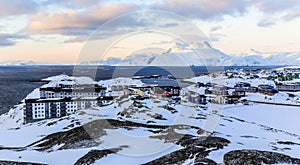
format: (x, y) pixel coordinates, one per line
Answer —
(161, 82)
(49, 100)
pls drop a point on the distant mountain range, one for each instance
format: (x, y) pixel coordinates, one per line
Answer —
(17, 63)
(200, 54)
(197, 54)
(259, 60)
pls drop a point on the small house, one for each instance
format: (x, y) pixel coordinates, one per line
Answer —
(117, 90)
(242, 85)
(219, 100)
(219, 92)
(267, 89)
(233, 99)
(163, 87)
(239, 92)
(251, 89)
(197, 99)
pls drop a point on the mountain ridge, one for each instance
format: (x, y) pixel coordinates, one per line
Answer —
(182, 54)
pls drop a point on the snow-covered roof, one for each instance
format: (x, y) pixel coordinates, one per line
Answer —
(63, 79)
(121, 81)
(57, 78)
(160, 82)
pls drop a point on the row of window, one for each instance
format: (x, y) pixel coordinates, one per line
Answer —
(38, 112)
(52, 94)
(42, 105)
(289, 87)
(37, 104)
(71, 106)
(38, 108)
(71, 111)
(39, 116)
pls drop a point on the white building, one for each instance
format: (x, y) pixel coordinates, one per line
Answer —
(291, 87)
(294, 69)
(63, 96)
(39, 109)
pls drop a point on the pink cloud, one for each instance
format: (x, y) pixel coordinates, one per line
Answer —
(74, 22)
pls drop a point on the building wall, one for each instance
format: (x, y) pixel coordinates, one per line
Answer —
(45, 110)
(220, 100)
(44, 93)
(288, 87)
(297, 70)
(28, 113)
(219, 92)
(38, 110)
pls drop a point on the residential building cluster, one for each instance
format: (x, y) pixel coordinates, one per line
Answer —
(67, 95)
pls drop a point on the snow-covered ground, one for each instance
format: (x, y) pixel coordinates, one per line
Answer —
(255, 126)
(278, 98)
(261, 127)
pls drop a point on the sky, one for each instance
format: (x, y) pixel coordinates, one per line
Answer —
(57, 32)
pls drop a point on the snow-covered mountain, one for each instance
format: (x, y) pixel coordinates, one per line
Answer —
(200, 54)
(181, 54)
(17, 63)
(108, 61)
(178, 55)
(276, 59)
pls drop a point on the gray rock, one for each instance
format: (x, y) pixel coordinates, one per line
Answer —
(244, 157)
